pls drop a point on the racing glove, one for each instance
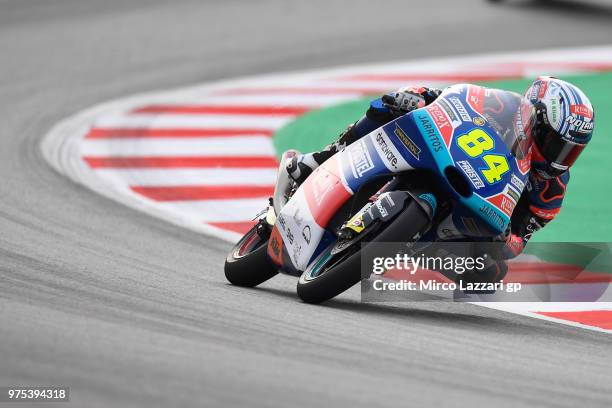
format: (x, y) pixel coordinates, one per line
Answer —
(408, 99)
(512, 244)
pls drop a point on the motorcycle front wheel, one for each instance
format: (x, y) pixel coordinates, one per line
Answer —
(331, 274)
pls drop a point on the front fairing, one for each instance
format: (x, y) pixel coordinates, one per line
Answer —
(457, 131)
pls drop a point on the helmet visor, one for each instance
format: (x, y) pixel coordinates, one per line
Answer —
(556, 150)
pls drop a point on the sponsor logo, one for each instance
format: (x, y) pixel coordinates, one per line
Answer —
(531, 227)
(504, 201)
(478, 121)
(516, 182)
(382, 210)
(438, 116)
(513, 194)
(581, 110)
(579, 124)
(282, 222)
(361, 162)
(491, 215)
(442, 123)
(386, 150)
(471, 173)
(461, 109)
(449, 111)
(430, 131)
(307, 234)
(507, 204)
(356, 223)
(290, 236)
(410, 145)
(554, 110)
(296, 248)
(538, 90)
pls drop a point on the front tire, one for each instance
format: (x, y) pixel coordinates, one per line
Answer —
(328, 275)
(247, 263)
(335, 277)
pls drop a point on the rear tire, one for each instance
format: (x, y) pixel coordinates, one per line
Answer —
(331, 282)
(247, 264)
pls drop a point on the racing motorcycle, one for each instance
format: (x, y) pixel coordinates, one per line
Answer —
(440, 172)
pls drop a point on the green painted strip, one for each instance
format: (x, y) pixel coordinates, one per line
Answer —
(587, 211)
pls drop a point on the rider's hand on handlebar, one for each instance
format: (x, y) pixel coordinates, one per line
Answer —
(404, 100)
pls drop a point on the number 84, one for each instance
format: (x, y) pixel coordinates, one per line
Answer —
(474, 144)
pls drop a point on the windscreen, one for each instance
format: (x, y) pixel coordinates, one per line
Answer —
(512, 117)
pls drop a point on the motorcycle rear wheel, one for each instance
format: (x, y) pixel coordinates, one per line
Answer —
(247, 263)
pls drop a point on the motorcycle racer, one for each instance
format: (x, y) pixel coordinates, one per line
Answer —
(561, 126)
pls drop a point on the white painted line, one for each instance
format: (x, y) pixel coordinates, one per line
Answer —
(187, 177)
(235, 210)
(272, 100)
(192, 121)
(188, 147)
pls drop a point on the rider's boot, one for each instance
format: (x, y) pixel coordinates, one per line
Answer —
(299, 167)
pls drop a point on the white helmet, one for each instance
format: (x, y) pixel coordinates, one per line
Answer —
(562, 125)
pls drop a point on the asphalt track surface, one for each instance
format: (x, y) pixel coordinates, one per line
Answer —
(130, 311)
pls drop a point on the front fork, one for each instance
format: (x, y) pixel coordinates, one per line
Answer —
(283, 190)
(385, 205)
(285, 186)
